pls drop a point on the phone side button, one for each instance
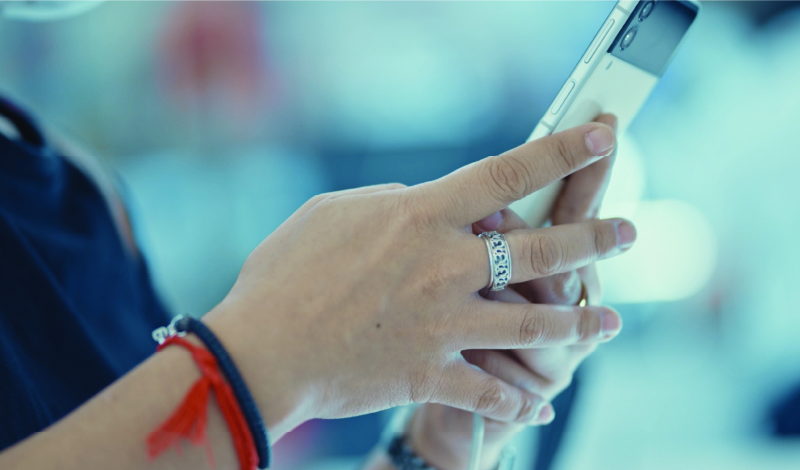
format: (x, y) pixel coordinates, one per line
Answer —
(562, 96)
(596, 45)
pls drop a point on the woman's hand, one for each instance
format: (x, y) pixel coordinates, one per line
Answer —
(579, 201)
(441, 434)
(364, 299)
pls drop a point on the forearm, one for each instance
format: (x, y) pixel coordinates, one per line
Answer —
(110, 430)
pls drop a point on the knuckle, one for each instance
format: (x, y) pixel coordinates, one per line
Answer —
(508, 178)
(316, 200)
(533, 330)
(546, 255)
(563, 288)
(326, 201)
(440, 275)
(526, 410)
(564, 156)
(589, 323)
(605, 237)
(436, 281)
(320, 197)
(492, 398)
(410, 212)
(423, 384)
(599, 241)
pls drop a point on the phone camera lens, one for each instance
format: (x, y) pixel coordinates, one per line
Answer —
(647, 8)
(627, 39)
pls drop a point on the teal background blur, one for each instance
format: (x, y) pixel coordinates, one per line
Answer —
(222, 119)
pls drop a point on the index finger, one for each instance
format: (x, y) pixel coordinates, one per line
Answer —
(478, 190)
(583, 191)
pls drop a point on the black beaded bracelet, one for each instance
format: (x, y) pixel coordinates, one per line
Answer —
(186, 324)
(403, 457)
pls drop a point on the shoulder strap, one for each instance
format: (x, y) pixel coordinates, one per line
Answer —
(23, 122)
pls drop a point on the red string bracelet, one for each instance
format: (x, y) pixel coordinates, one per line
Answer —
(189, 420)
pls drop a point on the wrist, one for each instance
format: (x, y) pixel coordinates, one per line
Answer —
(263, 362)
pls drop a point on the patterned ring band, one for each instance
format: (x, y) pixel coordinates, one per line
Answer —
(499, 260)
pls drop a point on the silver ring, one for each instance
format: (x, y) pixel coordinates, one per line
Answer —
(499, 260)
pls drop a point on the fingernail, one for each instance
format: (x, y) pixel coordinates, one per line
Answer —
(600, 141)
(610, 324)
(545, 416)
(491, 223)
(626, 234)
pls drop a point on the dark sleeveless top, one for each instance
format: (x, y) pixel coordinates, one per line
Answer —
(76, 304)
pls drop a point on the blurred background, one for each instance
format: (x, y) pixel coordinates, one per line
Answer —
(222, 118)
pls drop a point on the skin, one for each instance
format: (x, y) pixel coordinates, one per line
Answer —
(364, 300)
(441, 434)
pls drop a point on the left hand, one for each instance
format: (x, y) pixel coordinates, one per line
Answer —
(442, 435)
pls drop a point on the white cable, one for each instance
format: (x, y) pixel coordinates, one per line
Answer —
(477, 442)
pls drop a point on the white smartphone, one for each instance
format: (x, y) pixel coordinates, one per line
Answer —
(615, 75)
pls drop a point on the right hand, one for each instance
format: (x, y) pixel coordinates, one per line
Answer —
(364, 299)
(441, 435)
